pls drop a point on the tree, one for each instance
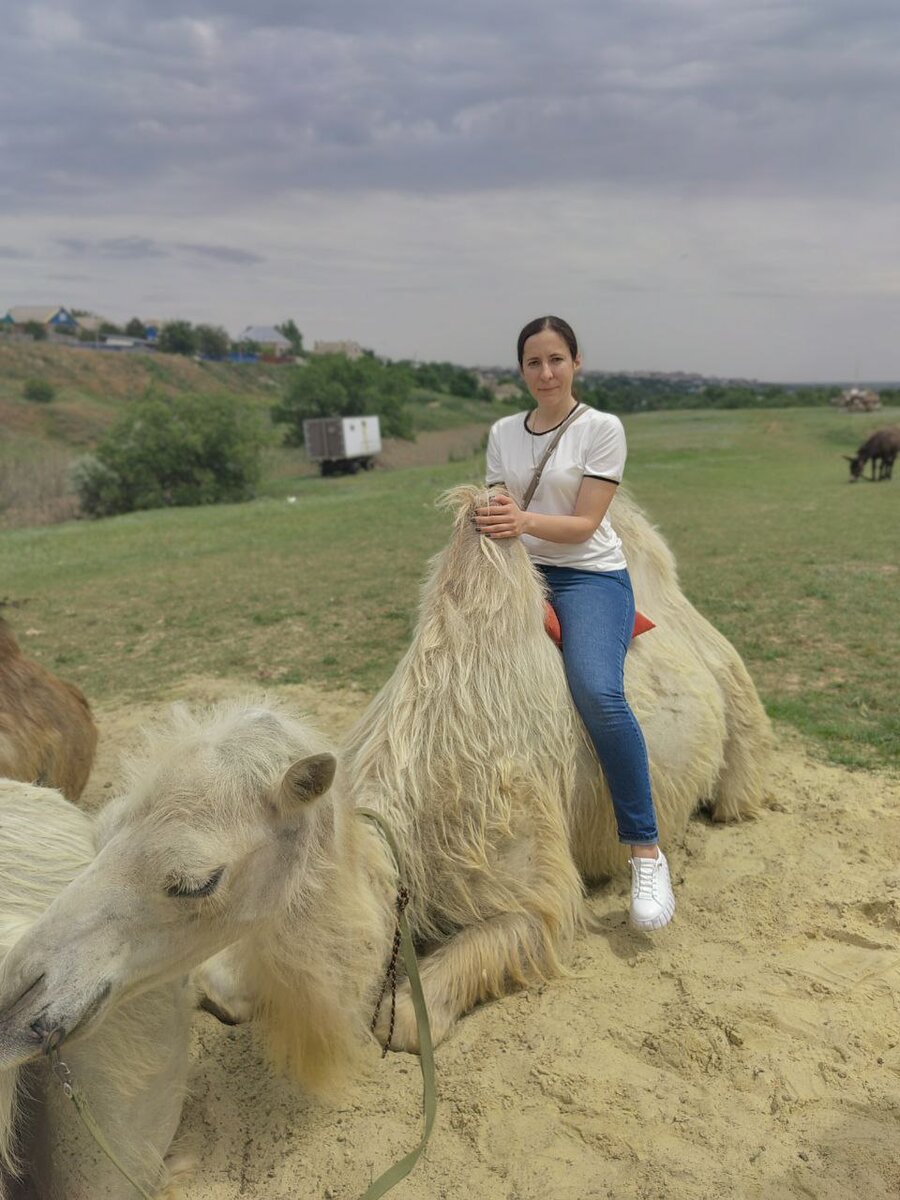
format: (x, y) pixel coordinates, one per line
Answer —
(173, 451)
(212, 341)
(448, 378)
(289, 330)
(36, 329)
(178, 337)
(332, 385)
(136, 328)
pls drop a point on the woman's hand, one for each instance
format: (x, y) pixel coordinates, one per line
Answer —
(502, 518)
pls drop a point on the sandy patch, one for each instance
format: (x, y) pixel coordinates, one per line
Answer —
(751, 1050)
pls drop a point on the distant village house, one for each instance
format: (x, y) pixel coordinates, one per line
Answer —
(52, 318)
(271, 343)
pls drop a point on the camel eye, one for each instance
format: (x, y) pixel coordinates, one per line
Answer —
(187, 889)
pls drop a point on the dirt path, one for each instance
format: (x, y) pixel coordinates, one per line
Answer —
(752, 1050)
(436, 446)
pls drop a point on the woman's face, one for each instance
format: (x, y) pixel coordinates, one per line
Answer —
(548, 367)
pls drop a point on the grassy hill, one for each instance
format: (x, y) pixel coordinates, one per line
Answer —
(39, 441)
(92, 385)
(318, 581)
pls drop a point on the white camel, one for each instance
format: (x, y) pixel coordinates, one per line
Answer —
(474, 752)
(216, 835)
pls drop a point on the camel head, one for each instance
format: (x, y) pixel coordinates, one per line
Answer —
(856, 465)
(199, 851)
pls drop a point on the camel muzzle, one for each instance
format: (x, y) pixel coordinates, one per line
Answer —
(30, 1017)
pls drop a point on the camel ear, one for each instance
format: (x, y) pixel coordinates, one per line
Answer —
(307, 778)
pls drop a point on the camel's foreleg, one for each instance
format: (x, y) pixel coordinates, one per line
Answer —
(481, 962)
(180, 1169)
(222, 987)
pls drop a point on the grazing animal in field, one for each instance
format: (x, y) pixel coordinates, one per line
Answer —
(880, 449)
(474, 753)
(47, 734)
(227, 829)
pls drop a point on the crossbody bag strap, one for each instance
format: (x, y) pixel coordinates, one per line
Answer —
(535, 479)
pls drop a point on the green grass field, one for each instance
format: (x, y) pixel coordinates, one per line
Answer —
(797, 567)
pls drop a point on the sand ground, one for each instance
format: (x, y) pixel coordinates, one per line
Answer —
(750, 1050)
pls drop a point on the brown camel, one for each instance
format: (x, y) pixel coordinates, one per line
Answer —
(47, 734)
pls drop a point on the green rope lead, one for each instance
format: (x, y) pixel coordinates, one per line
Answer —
(400, 1170)
(61, 1071)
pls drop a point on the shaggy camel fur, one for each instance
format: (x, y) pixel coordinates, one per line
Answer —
(475, 754)
(47, 735)
(225, 830)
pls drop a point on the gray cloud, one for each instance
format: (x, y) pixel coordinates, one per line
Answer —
(73, 246)
(135, 247)
(132, 247)
(220, 102)
(223, 254)
(642, 161)
(129, 248)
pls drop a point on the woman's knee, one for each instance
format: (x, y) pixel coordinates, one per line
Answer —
(607, 703)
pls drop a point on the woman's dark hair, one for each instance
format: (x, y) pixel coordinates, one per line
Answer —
(557, 324)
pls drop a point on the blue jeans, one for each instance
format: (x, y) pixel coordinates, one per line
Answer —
(596, 616)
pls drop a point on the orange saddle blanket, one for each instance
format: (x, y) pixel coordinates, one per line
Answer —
(551, 623)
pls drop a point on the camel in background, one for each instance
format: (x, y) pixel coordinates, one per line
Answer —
(880, 449)
(47, 734)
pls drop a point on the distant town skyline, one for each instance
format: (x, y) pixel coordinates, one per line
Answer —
(696, 185)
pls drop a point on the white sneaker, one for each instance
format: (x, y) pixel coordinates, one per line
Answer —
(652, 901)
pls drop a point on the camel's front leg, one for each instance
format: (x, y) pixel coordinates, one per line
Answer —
(180, 1169)
(222, 989)
(481, 962)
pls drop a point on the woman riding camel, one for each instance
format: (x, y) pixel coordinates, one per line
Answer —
(565, 529)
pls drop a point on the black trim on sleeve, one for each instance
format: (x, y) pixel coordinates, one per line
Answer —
(605, 478)
(496, 483)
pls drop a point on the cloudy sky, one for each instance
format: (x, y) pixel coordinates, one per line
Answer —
(704, 185)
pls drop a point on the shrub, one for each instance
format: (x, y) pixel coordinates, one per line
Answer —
(41, 391)
(173, 452)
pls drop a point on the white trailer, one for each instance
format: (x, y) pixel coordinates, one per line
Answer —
(342, 445)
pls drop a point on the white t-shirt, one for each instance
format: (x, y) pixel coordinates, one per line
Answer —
(592, 447)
